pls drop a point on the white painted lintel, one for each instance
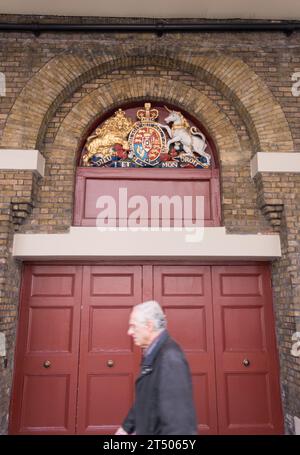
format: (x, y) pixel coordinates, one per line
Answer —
(84, 243)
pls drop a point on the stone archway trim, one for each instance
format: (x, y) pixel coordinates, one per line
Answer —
(60, 76)
(112, 95)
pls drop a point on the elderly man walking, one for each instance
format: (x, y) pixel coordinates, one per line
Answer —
(164, 400)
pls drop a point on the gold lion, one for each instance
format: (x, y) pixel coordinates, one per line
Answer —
(115, 130)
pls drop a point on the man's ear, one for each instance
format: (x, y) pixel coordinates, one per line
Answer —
(150, 325)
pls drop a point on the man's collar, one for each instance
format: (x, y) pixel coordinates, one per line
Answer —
(152, 350)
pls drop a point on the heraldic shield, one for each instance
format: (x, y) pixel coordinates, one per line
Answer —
(147, 139)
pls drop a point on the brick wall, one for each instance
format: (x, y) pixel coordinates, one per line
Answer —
(237, 85)
(17, 196)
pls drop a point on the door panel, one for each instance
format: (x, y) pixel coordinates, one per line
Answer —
(44, 399)
(249, 399)
(109, 361)
(185, 294)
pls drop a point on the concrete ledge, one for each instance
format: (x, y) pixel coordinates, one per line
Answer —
(275, 162)
(31, 160)
(90, 243)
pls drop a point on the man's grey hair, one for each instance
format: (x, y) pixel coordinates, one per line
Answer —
(151, 311)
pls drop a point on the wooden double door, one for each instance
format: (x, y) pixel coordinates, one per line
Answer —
(75, 365)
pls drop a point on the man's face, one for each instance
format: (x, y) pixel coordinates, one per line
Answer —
(140, 331)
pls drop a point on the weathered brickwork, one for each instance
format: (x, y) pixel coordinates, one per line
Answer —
(18, 190)
(279, 196)
(237, 85)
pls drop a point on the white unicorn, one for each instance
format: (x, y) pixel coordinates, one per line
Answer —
(191, 139)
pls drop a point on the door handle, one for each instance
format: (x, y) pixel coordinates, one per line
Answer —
(246, 362)
(110, 363)
(47, 364)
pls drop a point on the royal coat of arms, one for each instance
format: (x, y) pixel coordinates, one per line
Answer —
(121, 142)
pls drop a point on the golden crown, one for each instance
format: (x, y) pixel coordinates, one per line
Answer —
(147, 114)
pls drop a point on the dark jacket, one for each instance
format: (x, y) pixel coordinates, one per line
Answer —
(164, 401)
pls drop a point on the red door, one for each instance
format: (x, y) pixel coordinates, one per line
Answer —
(246, 361)
(45, 388)
(76, 366)
(185, 292)
(109, 361)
